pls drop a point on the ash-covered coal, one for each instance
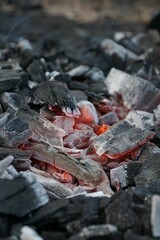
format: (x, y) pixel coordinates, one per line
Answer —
(79, 129)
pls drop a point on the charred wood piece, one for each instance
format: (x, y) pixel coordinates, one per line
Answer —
(121, 139)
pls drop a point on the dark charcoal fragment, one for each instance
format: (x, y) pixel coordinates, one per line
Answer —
(149, 171)
(132, 236)
(53, 92)
(21, 196)
(10, 79)
(120, 139)
(120, 213)
(154, 23)
(13, 130)
(36, 71)
(93, 232)
(53, 235)
(4, 225)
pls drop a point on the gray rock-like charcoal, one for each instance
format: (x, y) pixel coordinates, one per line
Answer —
(109, 118)
(55, 92)
(13, 130)
(149, 172)
(4, 163)
(10, 79)
(19, 155)
(137, 93)
(44, 130)
(21, 195)
(155, 215)
(120, 55)
(140, 119)
(120, 139)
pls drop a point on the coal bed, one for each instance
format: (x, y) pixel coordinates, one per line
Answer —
(79, 121)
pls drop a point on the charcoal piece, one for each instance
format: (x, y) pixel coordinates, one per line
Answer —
(19, 155)
(12, 100)
(136, 92)
(63, 77)
(55, 92)
(29, 233)
(140, 119)
(10, 79)
(5, 223)
(120, 56)
(50, 235)
(36, 71)
(95, 75)
(21, 196)
(149, 170)
(157, 113)
(79, 95)
(55, 216)
(44, 130)
(57, 189)
(148, 150)
(125, 174)
(79, 71)
(10, 173)
(13, 130)
(103, 231)
(154, 22)
(4, 163)
(85, 170)
(155, 216)
(120, 139)
(108, 118)
(132, 236)
(125, 217)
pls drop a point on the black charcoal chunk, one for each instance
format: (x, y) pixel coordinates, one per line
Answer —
(19, 155)
(132, 236)
(5, 223)
(120, 213)
(103, 231)
(120, 139)
(21, 196)
(155, 215)
(55, 92)
(13, 130)
(36, 71)
(137, 93)
(149, 171)
(148, 150)
(154, 22)
(50, 235)
(10, 79)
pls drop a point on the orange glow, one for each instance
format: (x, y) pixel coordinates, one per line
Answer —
(101, 129)
(66, 177)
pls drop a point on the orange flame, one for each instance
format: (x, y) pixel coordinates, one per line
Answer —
(101, 129)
